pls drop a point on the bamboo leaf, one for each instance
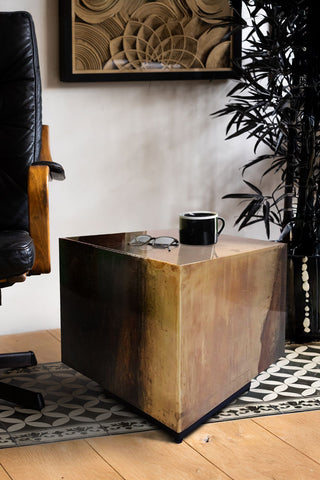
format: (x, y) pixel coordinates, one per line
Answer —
(254, 188)
(259, 159)
(241, 131)
(240, 195)
(250, 212)
(239, 86)
(266, 217)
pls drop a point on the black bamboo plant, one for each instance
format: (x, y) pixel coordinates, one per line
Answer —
(276, 101)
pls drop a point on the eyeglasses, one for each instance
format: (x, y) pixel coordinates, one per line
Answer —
(157, 242)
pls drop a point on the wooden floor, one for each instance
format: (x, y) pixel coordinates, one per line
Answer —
(284, 447)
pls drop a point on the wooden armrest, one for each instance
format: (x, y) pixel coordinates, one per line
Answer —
(38, 196)
(38, 193)
(56, 170)
(45, 154)
(12, 280)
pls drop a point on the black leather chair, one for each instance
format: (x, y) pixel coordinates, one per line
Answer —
(25, 168)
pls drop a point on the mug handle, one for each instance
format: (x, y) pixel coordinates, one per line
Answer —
(222, 226)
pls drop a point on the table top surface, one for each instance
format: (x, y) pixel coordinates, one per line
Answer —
(181, 255)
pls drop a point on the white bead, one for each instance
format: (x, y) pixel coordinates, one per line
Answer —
(306, 322)
(306, 286)
(305, 276)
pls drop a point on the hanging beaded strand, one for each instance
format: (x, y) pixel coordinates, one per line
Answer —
(306, 288)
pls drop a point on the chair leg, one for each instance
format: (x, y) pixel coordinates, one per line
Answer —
(11, 393)
(21, 396)
(17, 360)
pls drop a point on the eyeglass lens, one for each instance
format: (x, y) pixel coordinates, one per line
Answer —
(140, 240)
(164, 242)
(160, 242)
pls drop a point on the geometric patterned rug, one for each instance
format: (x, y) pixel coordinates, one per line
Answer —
(290, 385)
(76, 407)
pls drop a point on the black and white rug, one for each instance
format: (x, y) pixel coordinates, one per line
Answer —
(77, 407)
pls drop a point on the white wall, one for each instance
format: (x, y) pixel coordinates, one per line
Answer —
(135, 154)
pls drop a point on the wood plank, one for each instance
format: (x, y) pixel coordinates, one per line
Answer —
(74, 460)
(3, 475)
(56, 333)
(45, 346)
(297, 429)
(244, 450)
(154, 456)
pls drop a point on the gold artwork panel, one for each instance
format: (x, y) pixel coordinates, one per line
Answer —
(112, 37)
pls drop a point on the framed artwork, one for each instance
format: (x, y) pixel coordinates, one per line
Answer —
(112, 40)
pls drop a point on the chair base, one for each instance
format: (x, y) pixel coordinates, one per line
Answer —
(17, 359)
(17, 395)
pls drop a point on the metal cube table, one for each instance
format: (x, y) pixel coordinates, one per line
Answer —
(178, 333)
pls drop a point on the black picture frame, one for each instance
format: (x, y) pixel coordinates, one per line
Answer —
(69, 22)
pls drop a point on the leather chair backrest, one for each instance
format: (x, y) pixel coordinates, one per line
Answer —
(20, 115)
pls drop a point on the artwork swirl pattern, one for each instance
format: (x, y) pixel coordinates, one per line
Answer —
(144, 35)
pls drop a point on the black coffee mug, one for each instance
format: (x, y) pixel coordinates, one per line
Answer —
(200, 228)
